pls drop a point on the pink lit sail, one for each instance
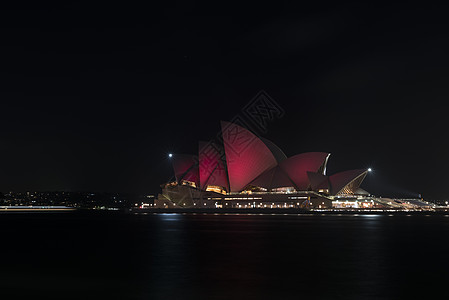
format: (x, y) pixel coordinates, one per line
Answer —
(211, 166)
(273, 178)
(296, 167)
(339, 180)
(246, 156)
(186, 168)
(318, 181)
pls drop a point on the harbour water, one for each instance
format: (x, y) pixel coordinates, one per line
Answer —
(112, 255)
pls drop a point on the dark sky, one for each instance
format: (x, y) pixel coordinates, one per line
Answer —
(94, 97)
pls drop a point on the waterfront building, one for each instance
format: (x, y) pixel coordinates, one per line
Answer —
(243, 170)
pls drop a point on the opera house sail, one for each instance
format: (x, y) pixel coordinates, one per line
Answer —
(243, 170)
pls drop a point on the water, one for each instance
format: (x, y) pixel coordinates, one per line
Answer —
(174, 256)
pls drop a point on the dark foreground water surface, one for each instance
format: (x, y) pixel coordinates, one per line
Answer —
(174, 256)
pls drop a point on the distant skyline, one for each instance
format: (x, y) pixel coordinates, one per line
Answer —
(94, 98)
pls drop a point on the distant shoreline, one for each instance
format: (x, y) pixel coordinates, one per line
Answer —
(11, 209)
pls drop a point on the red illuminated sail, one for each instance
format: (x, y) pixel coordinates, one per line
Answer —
(246, 155)
(296, 167)
(186, 168)
(212, 167)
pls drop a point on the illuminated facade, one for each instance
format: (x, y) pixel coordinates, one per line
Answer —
(245, 171)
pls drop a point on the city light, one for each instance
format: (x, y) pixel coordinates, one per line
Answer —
(170, 155)
(369, 169)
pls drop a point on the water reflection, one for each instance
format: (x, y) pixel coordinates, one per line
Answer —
(371, 216)
(186, 256)
(170, 217)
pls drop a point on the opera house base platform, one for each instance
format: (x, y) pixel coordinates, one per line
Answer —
(188, 199)
(183, 196)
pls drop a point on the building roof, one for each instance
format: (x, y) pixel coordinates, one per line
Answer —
(212, 169)
(273, 178)
(296, 167)
(186, 168)
(275, 150)
(245, 159)
(346, 182)
(318, 181)
(246, 156)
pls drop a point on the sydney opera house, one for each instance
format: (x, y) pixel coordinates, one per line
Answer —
(243, 170)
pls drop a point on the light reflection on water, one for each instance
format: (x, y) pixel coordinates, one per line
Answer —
(171, 217)
(210, 256)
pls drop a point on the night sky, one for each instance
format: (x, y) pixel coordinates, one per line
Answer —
(94, 97)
